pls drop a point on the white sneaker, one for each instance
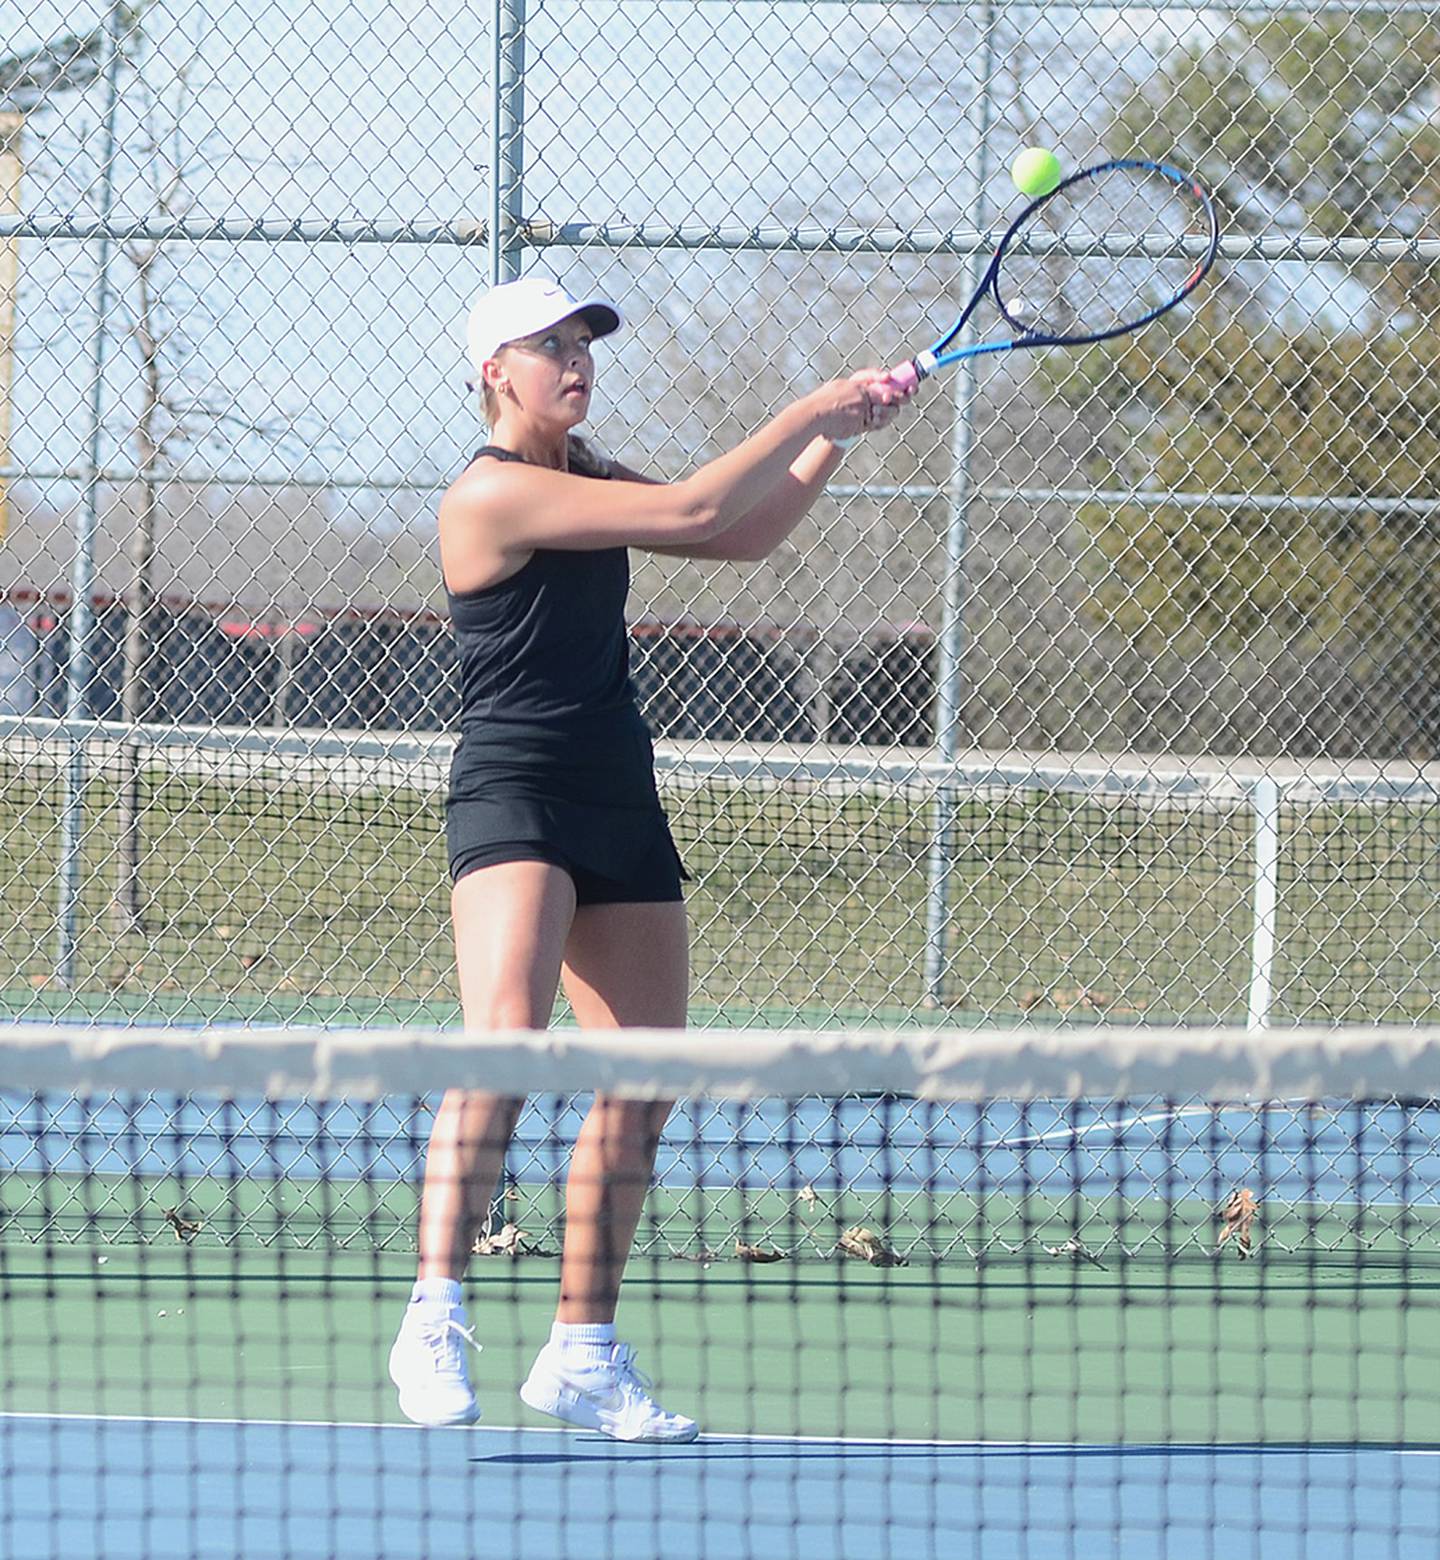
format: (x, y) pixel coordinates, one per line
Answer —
(610, 1396)
(427, 1363)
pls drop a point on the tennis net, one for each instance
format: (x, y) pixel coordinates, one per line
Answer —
(1110, 1292)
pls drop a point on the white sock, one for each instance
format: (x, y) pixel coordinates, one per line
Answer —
(437, 1291)
(584, 1342)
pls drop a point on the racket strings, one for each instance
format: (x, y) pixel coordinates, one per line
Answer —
(1100, 255)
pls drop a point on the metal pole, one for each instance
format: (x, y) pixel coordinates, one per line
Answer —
(11, 168)
(1265, 798)
(507, 139)
(79, 639)
(507, 214)
(950, 650)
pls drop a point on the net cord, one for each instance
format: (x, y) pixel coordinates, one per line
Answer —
(1061, 1063)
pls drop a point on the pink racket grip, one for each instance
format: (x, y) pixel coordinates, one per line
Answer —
(905, 375)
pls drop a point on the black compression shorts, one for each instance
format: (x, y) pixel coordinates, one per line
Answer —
(654, 878)
(580, 797)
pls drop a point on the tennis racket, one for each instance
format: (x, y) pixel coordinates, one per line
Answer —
(1108, 250)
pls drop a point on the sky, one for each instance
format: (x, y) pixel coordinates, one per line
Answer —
(344, 363)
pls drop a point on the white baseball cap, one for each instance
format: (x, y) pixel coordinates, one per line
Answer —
(514, 310)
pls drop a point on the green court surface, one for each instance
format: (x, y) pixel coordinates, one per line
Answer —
(359, 1011)
(1330, 1243)
(1256, 1353)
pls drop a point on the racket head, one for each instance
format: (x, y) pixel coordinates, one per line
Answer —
(1110, 249)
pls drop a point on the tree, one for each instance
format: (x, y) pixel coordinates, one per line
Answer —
(30, 81)
(155, 299)
(1328, 420)
(169, 412)
(32, 78)
(1329, 124)
(1353, 420)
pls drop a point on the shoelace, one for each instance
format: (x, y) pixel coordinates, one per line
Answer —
(638, 1413)
(627, 1373)
(437, 1336)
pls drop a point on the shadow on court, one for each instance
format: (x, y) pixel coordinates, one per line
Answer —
(716, 1450)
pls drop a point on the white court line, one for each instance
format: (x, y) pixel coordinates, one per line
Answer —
(1082, 1448)
(342, 1424)
(1103, 1124)
(1100, 1124)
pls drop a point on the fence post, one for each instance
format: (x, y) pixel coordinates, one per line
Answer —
(507, 218)
(11, 168)
(959, 491)
(81, 629)
(507, 139)
(1265, 799)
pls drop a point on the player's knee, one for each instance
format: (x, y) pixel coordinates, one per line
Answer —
(501, 1010)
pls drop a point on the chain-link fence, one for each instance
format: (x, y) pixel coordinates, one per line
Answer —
(1105, 686)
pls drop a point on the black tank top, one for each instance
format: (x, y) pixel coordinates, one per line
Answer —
(548, 644)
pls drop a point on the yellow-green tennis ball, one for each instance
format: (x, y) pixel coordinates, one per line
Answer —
(1035, 171)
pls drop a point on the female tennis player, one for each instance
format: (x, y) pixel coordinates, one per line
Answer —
(563, 867)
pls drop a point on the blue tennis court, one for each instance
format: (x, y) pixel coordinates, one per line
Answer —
(163, 1488)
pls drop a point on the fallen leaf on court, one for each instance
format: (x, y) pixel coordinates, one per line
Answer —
(1074, 1247)
(809, 1200)
(704, 1258)
(508, 1242)
(1238, 1216)
(857, 1241)
(511, 1241)
(758, 1253)
(185, 1229)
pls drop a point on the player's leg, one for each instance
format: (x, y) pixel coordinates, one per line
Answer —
(511, 921)
(626, 966)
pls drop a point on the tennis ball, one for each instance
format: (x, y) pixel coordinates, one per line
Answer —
(1035, 171)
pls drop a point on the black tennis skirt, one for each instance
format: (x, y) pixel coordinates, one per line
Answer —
(581, 797)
